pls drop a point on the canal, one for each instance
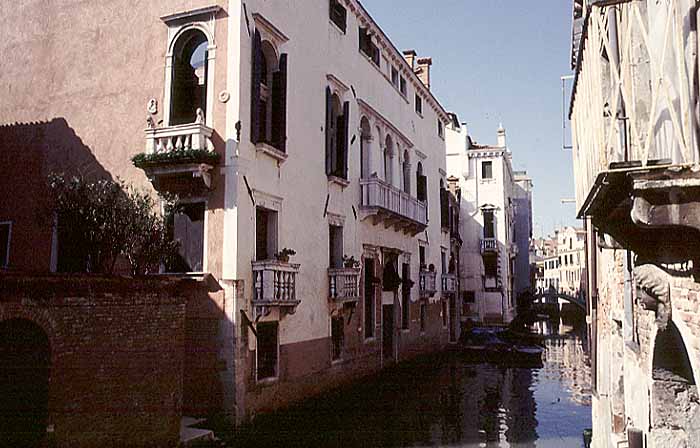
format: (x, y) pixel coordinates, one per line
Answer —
(448, 401)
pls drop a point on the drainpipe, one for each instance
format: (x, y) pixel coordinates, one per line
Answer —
(619, 109)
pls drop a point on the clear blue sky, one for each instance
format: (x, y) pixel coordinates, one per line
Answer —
(499, 61)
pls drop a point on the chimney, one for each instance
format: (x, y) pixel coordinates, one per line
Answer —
(423, 70)
(410, 56)
(501, 137)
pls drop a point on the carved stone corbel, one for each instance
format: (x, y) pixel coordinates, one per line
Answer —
(653, 286)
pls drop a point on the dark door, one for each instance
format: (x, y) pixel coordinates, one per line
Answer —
(388, 331)
(24, 383)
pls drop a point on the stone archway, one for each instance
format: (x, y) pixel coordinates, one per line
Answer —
(675, 413)
(25, 361)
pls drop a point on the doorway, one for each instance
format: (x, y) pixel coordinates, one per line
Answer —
(25, 358)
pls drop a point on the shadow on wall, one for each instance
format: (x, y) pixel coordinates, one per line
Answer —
(30, 152)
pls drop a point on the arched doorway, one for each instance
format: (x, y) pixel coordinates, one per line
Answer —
(25, 358)
(675, 402)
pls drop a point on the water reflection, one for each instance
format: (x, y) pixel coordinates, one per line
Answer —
(446, 401)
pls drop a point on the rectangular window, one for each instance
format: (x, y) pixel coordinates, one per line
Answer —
(265, 234)
(468, 298)
(337, 337)
(487, 170)
(335, 243)
(5, 236)
(406, 296)
(188, 229)
(489, 224)
(395, 76)
(338, 15)
(421, 257)
(441, 129)
(402, 86)
(267, 350)
(423, 317)
(491, 266)
(419, 104)
(369, 298)
(367, 46)
(443, 262)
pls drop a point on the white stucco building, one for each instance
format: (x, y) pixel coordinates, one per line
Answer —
(487, 222)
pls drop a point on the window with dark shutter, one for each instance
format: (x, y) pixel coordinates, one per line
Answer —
(338, 15)
(279, 106)
(419, 104)
(268, 97)
(337, 129)
(256, 80)
(444, 208)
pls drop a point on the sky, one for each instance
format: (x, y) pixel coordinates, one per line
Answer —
(499, 61)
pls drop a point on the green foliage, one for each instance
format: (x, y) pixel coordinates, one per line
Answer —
(103, 220)
(179, 156)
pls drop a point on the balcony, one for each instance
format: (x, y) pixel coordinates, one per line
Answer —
(449, 283)
(344, 285)
(427, 284)
(394, 208)
(489, 246)
(179, 159)
(275, 286)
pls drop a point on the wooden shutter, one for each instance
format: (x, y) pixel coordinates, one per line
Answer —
(345, 128)
(444, 208)
(279, 105)
(329, 126)
(256, 78)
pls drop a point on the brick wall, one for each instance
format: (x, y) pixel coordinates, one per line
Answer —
(116, 355)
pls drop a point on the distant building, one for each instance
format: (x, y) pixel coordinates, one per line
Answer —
(487, 226)
(522, 233)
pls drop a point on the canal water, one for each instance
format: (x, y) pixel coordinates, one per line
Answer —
(448, 401)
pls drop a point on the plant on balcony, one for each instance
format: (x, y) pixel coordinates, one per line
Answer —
(350, 262)
(183, 156)
(104, 221)
(284, 254)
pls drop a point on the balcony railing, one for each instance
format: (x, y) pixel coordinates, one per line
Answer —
(344, 285)
(449, 283)
(393, 206)
(275, 283)
(427, 284)
(194, 136)
(489, 245)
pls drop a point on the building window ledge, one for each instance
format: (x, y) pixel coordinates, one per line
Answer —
(271, 151)
(343, 183)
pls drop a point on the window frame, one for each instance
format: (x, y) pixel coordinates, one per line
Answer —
(9, 225)
(403, 86)
(419, 105)
(276, 376)
(489, 164)
(334, 7)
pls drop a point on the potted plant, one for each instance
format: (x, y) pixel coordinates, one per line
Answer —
(284, 254)
(350, 262)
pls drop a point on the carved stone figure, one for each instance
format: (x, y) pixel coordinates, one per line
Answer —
(654, 282)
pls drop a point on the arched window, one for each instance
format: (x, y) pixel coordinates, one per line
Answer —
(337, 125)
(268, 95)
(189, 78)
(406, 172)
(388, 160)
(365, 148)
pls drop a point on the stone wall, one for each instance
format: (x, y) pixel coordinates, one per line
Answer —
(116, 363)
